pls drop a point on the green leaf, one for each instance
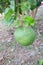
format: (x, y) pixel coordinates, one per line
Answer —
(25, 6)
(11, 21)
(3, 5)
(28, 20)
(8, 14)
(8, 18)
(12, 4)
(17, 24)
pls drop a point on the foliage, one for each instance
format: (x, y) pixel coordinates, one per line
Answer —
(11, 13)
(24, 21)
(4, 4)
(28, 20)
(33, 4)
(8, 17)
(25, 6)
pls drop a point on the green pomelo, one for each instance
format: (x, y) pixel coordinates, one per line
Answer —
(24, 36)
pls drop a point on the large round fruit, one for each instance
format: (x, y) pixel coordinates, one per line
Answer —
(24, 36)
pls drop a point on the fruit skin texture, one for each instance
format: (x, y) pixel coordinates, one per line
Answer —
(24, 36)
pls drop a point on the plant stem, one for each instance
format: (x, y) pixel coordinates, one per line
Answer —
(20, 11)
(16, 8)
